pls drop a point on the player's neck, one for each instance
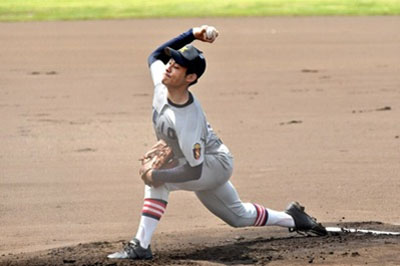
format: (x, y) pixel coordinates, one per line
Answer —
(178, 96)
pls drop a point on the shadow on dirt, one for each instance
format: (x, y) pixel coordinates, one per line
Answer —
(245, 249)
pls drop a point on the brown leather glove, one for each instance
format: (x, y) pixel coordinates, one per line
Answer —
(158, 157)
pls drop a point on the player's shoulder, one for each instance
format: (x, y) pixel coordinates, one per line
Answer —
(196, 103)
(196, 109)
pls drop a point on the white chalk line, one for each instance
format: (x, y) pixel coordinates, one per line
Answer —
(364, 231)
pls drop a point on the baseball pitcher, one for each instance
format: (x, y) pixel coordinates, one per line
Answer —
(189, 155)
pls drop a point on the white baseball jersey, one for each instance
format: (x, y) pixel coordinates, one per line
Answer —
(184, 128)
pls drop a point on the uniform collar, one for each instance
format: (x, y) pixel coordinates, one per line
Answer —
(189, 101)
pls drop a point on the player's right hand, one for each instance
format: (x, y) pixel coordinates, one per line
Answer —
(200, 33)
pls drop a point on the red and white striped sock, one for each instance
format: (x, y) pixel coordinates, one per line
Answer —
(152, 211)
(262, 215)
(270, 217)
(154, 208)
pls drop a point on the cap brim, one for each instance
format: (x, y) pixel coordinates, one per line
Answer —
(176, 56)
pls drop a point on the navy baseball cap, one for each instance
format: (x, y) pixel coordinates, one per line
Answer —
(189, 57)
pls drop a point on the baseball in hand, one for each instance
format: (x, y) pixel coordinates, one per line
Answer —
(211, 33)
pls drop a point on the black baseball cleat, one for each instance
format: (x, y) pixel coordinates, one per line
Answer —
(304, 224)
(133, 251)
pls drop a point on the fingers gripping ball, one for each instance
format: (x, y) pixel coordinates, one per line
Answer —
(211, 33)
(158, 157)
(205, 33)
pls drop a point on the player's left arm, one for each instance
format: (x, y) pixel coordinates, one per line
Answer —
(179, 174)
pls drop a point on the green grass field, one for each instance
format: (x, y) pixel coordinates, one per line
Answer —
(44, 10)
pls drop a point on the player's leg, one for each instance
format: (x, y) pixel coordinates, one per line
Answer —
(214, 174)
(225, 203)
(155, 203)
(154, 206)
(220, 197)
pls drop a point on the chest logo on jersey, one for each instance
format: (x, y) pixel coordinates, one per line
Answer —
(197, 151)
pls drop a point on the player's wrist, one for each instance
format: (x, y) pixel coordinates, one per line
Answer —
(196, 31)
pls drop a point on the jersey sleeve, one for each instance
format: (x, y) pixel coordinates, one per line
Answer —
(192, 140)
(157, 69)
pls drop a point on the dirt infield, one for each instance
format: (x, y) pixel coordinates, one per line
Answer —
(237, 247)
(308, 106)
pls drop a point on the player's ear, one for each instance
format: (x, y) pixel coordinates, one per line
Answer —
(191, 77)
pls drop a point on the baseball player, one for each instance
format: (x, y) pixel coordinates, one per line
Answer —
(205, 163)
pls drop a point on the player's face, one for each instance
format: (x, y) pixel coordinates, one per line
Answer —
(174, 75)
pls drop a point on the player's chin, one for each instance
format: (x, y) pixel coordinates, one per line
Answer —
(165, 80)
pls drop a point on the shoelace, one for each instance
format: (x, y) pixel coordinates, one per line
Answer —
(130, 247)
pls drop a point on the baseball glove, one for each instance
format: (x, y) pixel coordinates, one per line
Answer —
(158, 157)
